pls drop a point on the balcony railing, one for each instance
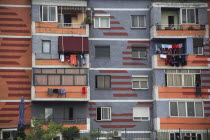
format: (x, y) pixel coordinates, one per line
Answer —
(65, 120)
(71, 25)
(180, 27)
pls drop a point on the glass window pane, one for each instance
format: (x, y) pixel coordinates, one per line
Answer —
(199, 109)
(67, 80)
(107, 82)
(135, 54)
(48, 113)
(46, 46)
(188, 80)
(96, 22)
(173, 108)
(190, 109)
(191, 15)
(135, 84)
(40, 80)
(170, 80)
(134, 21)
(184, 14)
(52, 14)
(182, 108)
(143, 54)
(102, 51)
(44, 13)
(143, 84)
(54, 80)
(80, 80)
(142, 21)
(104, 22)
(100, 82)
(105, 113)
(178, 80)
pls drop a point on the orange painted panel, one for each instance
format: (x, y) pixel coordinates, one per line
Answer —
(180, 92)
(16, 2)
(51, 62)
(185, 123)
(181, 33)
(192, 60)
(71, 92)
(52, 27)
(80, 126)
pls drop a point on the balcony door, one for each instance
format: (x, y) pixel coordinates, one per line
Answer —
(71, 113)
(170, 20)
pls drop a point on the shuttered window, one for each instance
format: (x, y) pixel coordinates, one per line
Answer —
(141, 113)
(102, 51)
(46, 46)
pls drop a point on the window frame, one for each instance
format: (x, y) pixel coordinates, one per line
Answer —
(195, 17)
(43, 46)
(198, 50)
(140, 76)
(186, 110)
(148, 114)
(96, 86)
(100, 16)
(110, 112)
(185, 134)
(145, 26)
(139, 55)
(105, 46)
(45, 113)
(56, 13)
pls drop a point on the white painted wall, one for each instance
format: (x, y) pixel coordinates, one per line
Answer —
(165, 14)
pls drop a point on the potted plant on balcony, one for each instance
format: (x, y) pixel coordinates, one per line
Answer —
(87, 20)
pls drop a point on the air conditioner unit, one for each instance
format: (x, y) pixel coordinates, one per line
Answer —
(117, 134)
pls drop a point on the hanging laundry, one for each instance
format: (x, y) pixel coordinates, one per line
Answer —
(73, 60)
(84, 59)
(183, 60)
(83, 90)
(163, 56)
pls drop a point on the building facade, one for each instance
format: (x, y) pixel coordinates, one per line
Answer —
(138, 69)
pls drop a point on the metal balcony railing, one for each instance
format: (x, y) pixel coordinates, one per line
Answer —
(71, 25)
(180, 27)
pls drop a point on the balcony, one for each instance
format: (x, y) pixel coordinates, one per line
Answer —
(72, 93)
(174, 31)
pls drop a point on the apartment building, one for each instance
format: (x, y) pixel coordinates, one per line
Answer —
(60, 61)
(180, 43)
(15, 63)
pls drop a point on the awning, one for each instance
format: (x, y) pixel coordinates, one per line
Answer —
(73, 45)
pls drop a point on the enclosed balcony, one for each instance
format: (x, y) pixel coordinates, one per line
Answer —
(173, 22)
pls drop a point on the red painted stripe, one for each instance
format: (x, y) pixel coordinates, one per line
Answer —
(124, 114)
(114, 22)
(12, 70)
(13, 25)
(92, 103)
(202, 56)
(144, 103)
(8, 56)
(5, 121)
(14, 45)
(207, 114)
(118, 120)
(15, 51)
(205, 81)
(115, 34)
(206, 102)
(92, 109)
(206, 108)
(138, 42)
(124, 95)
(9, 62)
(121, 83)
(3, 7)
(99, 11)
(122, 89)
(92, 115)
(205, 75)
(9, 109)
(18, 82)
(14, 76)
(130, 58)
(112, 17)
(113, 28)
(126, 52)
(17, 39)
(118, 126)
(19, 89)
(19, 95)
(121, 77)
(8, 115)
(7, 13)
(16, 31)
(206, 50)
(11, 19)
(126, 63)
(113, 71)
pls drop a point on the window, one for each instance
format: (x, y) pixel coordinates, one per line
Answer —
(103, 81)
(140, 82)
(182, 78)
(46, 46)
(186, 109)
(102, 21)
(141, 114)
(139, 52)
(102, 51)
(198, 46)
(49, 13)
(138, 21)
(48, 114)
(185, 136)
(188, 16)
(103, 113)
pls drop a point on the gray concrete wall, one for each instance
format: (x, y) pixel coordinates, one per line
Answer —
(155, 17)
(36, 13)
(37, 47)
(202, 16)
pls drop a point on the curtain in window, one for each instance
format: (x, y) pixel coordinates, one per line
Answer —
(199, 109)
(142, 54)
(80, 79)
(104, 22)
(144, 84)
(182, 108)
(67, 80)
(40, 80)
(100, 81)
(173, 108)
(107, 83)
(96, 22)
(190, 109)
(45, 13)
(178, 79)
(52, 14)
(170, 80)
(184, 16)
(191, 15)
(136, 84)
(141, 21)
(135, 54)
(134, 21)
(187, 80)
(46, 46)
(53, 80)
